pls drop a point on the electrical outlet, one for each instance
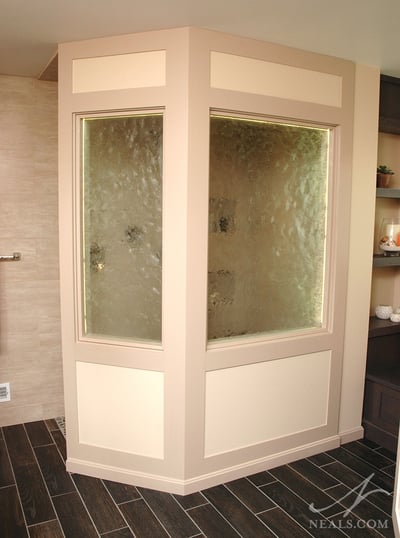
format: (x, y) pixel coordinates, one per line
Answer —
(5, 395)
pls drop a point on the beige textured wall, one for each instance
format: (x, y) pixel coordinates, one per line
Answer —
(30, 347)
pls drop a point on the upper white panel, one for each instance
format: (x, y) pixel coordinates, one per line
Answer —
(259, 402)
(121, 409)
(119, 72)
(237, 73)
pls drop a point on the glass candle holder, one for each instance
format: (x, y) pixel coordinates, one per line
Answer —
(389, 236)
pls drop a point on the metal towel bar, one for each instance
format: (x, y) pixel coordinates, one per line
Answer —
(14, 257)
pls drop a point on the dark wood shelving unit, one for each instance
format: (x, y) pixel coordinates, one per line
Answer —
(382, 383)
(381, 410)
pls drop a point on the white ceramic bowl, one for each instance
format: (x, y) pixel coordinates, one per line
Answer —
(383, 311)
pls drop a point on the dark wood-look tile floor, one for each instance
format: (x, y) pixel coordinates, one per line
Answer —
(344, 492)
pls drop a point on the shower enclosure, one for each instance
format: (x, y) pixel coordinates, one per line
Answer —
(204, 228)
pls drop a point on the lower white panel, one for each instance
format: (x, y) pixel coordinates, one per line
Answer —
(121, 408)
(259, 402)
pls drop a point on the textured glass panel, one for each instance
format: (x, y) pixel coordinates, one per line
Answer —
(122, 200)
(267, 226)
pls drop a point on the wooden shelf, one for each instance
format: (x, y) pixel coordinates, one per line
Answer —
(382, 327)
(379, 260)
(387, 193)
(390, 377)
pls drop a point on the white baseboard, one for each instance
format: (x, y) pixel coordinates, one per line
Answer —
(351, 435)
(185, 487)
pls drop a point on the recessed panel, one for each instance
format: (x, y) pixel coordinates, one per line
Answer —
(237, 73)
(260, 402)
(119, 72)
(121, 409)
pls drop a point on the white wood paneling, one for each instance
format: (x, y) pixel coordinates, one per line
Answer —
(119, 72)
(231, 72)
(121, 408)
(264, 401)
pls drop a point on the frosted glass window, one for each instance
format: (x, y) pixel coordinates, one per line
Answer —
(267, 226)
(122, 201)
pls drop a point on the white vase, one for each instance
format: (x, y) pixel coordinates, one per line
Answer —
(383, 311)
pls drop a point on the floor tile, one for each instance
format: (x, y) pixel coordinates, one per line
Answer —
(387, 453)
(305, 489)
(35, 501)
(321, 459)
(250, 495)
(51, 424)
(170, 513)
(6, 475)
(314, 474)
(352, 480)
(120, 533)
(240, 517)
(260, 479)
(373, 457)
(38, 433)
(382, 480)
(274, 503)
(142, 521)
(282, 524)
(19, 447)
(74, 519)
(212, 523)
(51, 529)
(363, 509)
(12, 519)
(191, 501)
(57, 479)
(121, 493)
(299, 510)
(59, 440)
(390, 470)
(99, 503)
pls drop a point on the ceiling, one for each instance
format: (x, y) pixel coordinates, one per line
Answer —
(364, 31)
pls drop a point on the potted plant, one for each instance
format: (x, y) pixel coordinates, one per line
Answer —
(383, 176)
